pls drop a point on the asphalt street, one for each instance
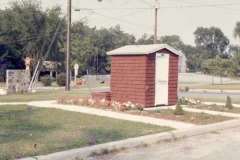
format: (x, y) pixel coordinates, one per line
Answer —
(221, 145)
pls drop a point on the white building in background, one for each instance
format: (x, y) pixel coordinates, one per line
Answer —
(182, 63)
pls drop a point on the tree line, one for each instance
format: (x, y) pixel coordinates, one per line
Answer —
(27, 30)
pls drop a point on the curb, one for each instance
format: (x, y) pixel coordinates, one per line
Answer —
(138, 141)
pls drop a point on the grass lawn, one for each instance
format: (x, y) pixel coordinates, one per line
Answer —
(231, 86)
(188, 117)
(28, 131)
(215, 107)
(93, 84)
(40, 96)
(219, 100)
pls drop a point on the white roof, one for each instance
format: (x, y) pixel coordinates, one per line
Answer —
(141, 49)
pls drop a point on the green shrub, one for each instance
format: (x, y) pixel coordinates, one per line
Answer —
(46, 81)
(229, 103)
(178, 110)
(61, 78)
(186, 88)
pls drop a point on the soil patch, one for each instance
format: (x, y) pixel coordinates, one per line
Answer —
(188, 117)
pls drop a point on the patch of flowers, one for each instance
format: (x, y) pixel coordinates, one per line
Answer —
(99, 103)
(190, 101)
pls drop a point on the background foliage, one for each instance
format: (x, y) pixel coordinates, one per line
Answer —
(27, 30)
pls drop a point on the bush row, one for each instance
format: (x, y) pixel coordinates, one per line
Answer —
(60, 80)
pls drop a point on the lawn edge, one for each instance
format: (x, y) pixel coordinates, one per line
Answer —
(138, 141)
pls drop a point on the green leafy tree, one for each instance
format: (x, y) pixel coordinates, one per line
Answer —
(236, 31)
(109, 39)
(173, 40)
(145, 39)
(194, 57)
(211, 40)
(9, 59)
(29, 30)
(219, 67)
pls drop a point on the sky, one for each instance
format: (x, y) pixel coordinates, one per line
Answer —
(136, 17)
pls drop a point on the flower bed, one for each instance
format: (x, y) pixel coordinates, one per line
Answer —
(190, 101)
(99, 103)
(137, 109)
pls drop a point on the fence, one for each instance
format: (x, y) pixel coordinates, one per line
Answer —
(97, 77)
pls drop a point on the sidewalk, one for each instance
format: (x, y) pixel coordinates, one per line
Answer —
(111, 114)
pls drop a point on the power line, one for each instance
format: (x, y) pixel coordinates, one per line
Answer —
(199, 6)
(144, 14)
(107, 8)
(214, 5)
(111, 18)
(147, 3)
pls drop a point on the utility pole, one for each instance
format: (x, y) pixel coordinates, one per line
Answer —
(67, 85)
(155, 23)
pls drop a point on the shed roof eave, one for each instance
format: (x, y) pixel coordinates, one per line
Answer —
(126, 53)
(142, 49)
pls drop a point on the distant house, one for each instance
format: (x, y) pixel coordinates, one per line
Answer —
(182, 63)
(51, 67)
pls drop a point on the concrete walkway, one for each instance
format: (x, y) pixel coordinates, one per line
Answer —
(125, 116)
(111, 114)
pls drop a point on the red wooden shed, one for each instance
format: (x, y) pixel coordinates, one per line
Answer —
(146, 74)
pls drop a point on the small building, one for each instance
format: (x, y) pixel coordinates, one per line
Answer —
(146, 74)
(182, 63)
(49, 67)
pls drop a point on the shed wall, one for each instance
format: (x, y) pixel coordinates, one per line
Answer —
(133, 78)
(128, 78)
(173, 79)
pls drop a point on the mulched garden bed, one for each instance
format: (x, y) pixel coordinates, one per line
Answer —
(188, 117)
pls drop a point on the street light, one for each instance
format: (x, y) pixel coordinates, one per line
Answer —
(68, 69)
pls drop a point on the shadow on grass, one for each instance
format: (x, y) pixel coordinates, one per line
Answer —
(98, 136)
(19, 124)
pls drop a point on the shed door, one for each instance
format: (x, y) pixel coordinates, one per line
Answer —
(161, 79)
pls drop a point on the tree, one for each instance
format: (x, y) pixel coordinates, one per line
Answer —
(211, 40)
(173, 40)
(9, 59)
(194, 57)
(145, 39)
(29, 29)
(234, 50)
(219, 67)
(236, 31)
(89, 46)
(82, 47)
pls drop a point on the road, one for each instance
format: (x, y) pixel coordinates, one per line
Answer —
(222, 145)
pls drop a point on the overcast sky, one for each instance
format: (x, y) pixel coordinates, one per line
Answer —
(136, 17)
